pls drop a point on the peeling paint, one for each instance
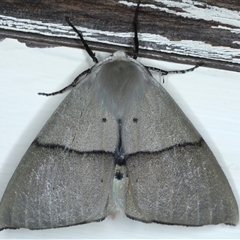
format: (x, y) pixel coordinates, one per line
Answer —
(236, 42)
(196, 10)
(151, 41)
(233, 30)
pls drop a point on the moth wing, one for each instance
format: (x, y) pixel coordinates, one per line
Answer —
(65, 176)
(174, 177)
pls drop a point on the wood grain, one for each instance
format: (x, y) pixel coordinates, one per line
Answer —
(177, 31)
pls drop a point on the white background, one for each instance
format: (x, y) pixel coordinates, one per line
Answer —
(209, 97)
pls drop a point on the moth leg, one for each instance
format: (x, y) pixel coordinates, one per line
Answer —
(164, 72)
(89, 51)
(72, 85)
(135, 27)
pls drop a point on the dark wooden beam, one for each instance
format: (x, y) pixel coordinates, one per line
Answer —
(185, 32)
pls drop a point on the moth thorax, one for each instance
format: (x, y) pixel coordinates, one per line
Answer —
(120, 86)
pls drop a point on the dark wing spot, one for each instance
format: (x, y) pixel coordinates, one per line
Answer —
(135, 120)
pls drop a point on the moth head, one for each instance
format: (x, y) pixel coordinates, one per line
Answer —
(119, 55)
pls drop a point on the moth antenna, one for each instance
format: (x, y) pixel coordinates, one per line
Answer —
(88, 49)
(135, 27)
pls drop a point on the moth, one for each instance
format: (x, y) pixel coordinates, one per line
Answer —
(118, 140)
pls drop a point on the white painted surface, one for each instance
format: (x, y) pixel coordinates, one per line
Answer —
(209, 97)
